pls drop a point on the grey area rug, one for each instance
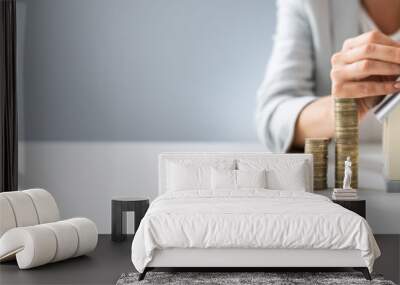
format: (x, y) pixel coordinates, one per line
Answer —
(269, 278)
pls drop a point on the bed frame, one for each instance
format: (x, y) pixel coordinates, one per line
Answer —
(245, 259)
(250, 259)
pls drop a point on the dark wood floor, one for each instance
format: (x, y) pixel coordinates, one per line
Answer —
(110, 260)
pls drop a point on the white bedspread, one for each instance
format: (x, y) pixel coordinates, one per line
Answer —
(250, 219)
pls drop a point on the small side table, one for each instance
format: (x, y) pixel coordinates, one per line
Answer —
(357, 206)
(119, 207)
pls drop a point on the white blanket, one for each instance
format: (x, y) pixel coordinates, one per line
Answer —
(250, 219)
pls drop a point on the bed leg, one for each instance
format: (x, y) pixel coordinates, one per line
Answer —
(366, 274)
(364, 271)
(142, 275)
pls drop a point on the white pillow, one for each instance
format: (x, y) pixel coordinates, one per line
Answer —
(194, 174)
(251, 178)
(223, 179)
(282, 174)
(293, 180)
(186, 177)
(238, 179)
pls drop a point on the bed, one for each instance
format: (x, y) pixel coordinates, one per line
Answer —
(246, 210)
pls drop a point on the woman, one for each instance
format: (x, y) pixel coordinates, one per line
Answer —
(325, 49)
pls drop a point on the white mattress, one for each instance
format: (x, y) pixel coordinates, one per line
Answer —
(250, 219)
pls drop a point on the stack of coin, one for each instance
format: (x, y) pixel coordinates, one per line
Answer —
(346, 136)
(318, 147)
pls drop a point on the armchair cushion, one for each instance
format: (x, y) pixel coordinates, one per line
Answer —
(45, 205)
(31, 232)
(40, 244)
(7, 220)
(27, 208)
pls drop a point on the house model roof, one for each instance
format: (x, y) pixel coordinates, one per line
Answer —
(387, 106)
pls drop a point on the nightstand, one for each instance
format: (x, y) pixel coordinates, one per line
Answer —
(119, 207)
(357, 206)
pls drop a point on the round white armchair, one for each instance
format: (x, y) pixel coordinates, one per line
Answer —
(31, 230)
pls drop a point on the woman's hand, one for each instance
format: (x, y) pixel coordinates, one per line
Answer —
(366, 68)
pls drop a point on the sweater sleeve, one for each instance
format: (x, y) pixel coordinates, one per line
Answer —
(289, 81)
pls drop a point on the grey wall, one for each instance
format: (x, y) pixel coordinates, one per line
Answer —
(142, 70)
(117, 72)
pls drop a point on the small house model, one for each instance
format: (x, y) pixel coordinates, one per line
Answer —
(388, 112)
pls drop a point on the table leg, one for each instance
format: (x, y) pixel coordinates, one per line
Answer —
(118, 222)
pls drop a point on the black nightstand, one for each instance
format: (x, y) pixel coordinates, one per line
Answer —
(119, 207)
(357, 206)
